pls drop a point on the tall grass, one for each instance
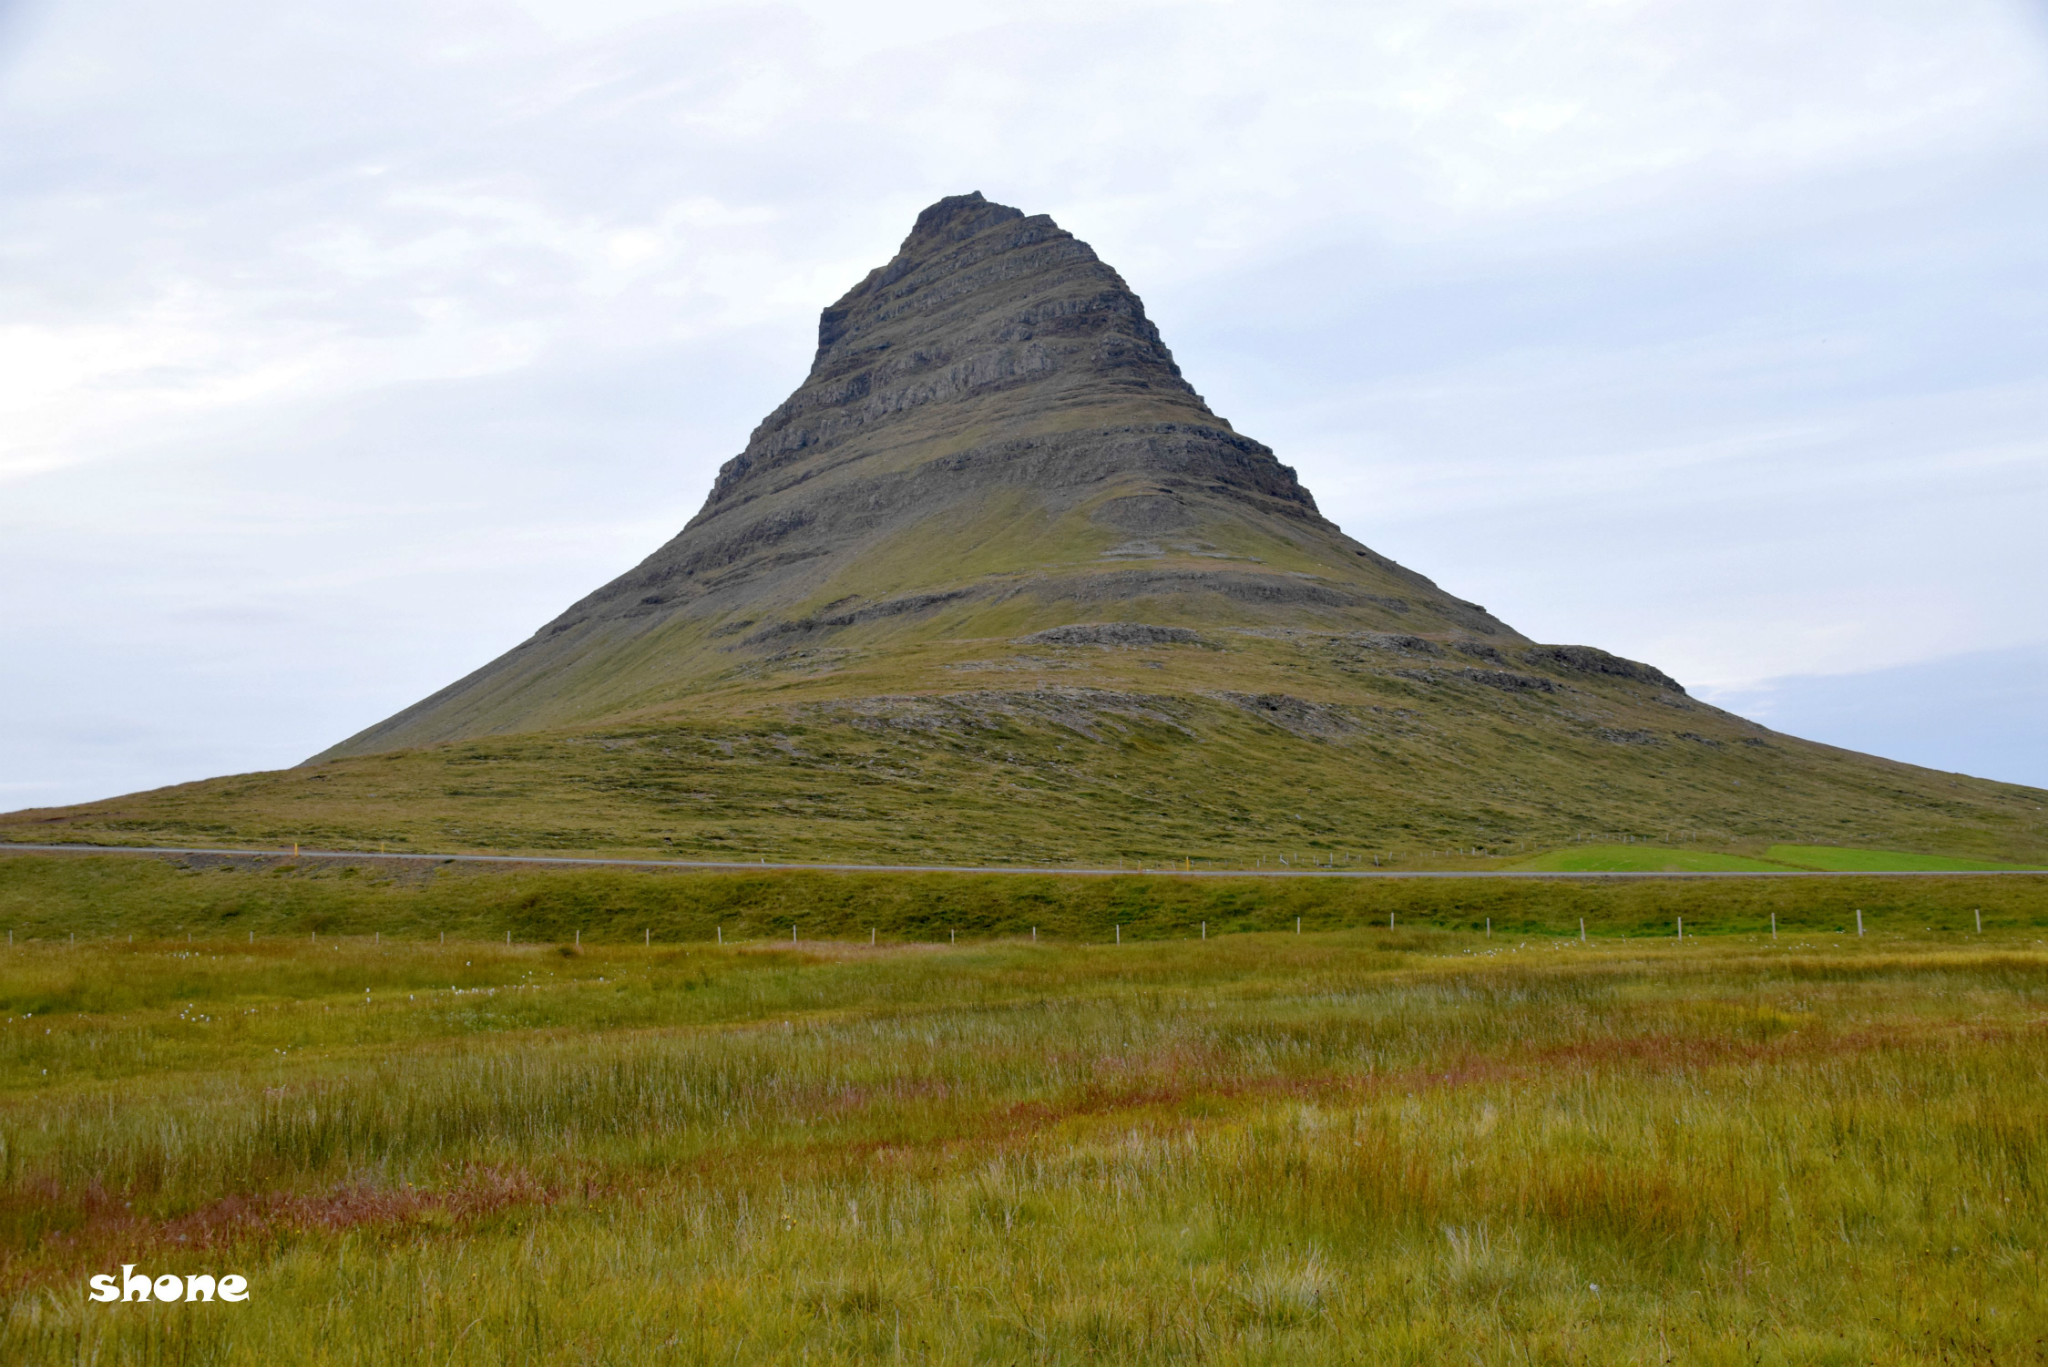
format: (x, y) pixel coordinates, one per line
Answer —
(1417, 1146)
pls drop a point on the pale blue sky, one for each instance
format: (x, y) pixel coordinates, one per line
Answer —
(340, 346)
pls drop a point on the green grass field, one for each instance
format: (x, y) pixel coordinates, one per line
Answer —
(1645, 858)
(1835, 859)
(1351, 1144)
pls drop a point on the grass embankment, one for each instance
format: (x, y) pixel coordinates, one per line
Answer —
(1838, 859)
(1361, 1144)
(53, 896)
(1644, 859)
(1633, 858)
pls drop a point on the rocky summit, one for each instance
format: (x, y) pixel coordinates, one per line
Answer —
(995, 585)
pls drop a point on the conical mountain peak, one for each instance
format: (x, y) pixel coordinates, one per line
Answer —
(993, 440)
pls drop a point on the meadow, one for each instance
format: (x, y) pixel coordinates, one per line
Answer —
(608, 1142)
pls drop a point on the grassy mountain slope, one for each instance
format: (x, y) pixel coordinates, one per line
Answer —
(1326, 745)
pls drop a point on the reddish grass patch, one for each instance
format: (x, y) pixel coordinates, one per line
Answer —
(110, 1229)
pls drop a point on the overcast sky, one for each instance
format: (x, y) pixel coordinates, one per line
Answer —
(342, 345)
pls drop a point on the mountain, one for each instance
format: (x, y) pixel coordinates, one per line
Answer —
(992, 440)
(995, 584)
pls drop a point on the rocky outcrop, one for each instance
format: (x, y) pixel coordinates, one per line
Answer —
(1590, 660)
(1113, 634)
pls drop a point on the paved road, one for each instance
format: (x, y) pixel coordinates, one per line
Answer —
(359, 856)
